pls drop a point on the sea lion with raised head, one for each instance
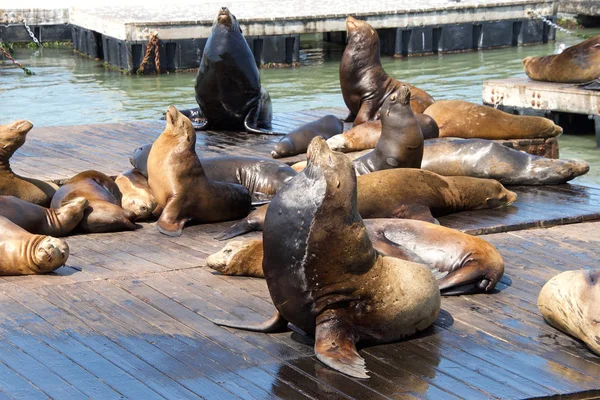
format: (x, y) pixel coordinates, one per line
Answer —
(136, 195)
(569, 302)
(262, 177)
(180, 185)
(461, 263)
(340, 294)
(401, 141)
(43, 221)
(104, 212)
(228, 88)
(23, 253)
(296, 142)
(365, 85)
(576, 64)
(461, 119)
(12, 136)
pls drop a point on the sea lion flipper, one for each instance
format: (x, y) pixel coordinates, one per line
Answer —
(252, 126)
(386, 247)
(466, 280)
(253, 222)
(416, 211)
(335, 346)
(169, 224)
(275, 324)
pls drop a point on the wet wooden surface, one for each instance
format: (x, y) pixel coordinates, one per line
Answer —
(129, 316)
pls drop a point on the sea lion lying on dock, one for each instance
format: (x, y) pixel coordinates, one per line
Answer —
(461, 263)
(43, 221)
(12, 136)
(365, 85)
(23, 253)
(341, 294)
(457, 118)
(569, 302)
(180, 185)
(296, 142)
(576, 64)
(136, 195)
(104, 212)
(263, 177)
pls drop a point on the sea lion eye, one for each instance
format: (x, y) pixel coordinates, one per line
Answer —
(393, 97)
(143, 208)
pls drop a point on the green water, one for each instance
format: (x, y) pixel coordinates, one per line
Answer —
(69, 89)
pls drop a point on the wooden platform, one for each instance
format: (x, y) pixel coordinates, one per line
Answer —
(129, 315)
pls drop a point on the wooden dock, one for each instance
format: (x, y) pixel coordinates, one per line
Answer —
(129, 315)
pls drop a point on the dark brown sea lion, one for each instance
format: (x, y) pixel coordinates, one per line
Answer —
(263, 177)
(407, 193)
(401, 141)
(483, 158)
(569, 302)
(43, 221)
(457, 118)
(228, 88)
(365, 136)
(341, 294)
(296, 142)
(576, 64)
(104, 212)
(460, 262)
(365, 85)
(12, 136)
(180, 185)
(23, 253)
(136, 195)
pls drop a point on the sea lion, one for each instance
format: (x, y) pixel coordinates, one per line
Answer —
(401, 141)
(43, 221)
(23, 253)
(569, 302)
(296, 142)
(228, 88)
(483, 158)
(457, 118)
(461, 263)
(12, 136)
(104, 212)
(407, 193)
(340, 294)
(365, 136)
(136, 195)
(576, 64)
(263, 177)
(180, 185)
(365, 85)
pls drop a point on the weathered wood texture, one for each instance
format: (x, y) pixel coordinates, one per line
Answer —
(130, 314)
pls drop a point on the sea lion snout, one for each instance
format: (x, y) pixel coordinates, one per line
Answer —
(21, 127)
(50, 254)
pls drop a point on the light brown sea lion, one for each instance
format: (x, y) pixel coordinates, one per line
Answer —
(43, 221)
(23, 253)
(365, 85)
(136, 195)
(460, 262)
(342, 294)
(12, 136)
(180, 186)
(570, 302)
(576, 64)
(401, 141)
(296, 142)
(457, 118)
(407, 193)
(104, 212)
(365, 136)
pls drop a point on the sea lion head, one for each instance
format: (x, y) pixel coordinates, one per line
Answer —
(361, 33)
(399, 98)
(337, 170)
(49, 253)
(71, 213)
(226, 19)
(488, 193)
(12, 136)
(139, 160)
(139, 202)
(238, 258)
(180, 128)
(285, 147)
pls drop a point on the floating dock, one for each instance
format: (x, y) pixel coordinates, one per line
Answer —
(570, 106)
(129, 315)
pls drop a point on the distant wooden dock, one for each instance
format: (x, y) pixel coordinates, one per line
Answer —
(129, 315)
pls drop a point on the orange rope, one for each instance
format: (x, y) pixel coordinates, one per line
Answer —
(152, 43)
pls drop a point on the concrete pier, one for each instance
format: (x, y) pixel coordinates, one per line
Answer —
(47, 24)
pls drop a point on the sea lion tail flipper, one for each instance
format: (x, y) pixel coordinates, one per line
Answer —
(335, 346)
(251, 124)
(467, 280)
(275, 324)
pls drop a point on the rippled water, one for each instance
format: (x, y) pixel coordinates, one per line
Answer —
(69, 89)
